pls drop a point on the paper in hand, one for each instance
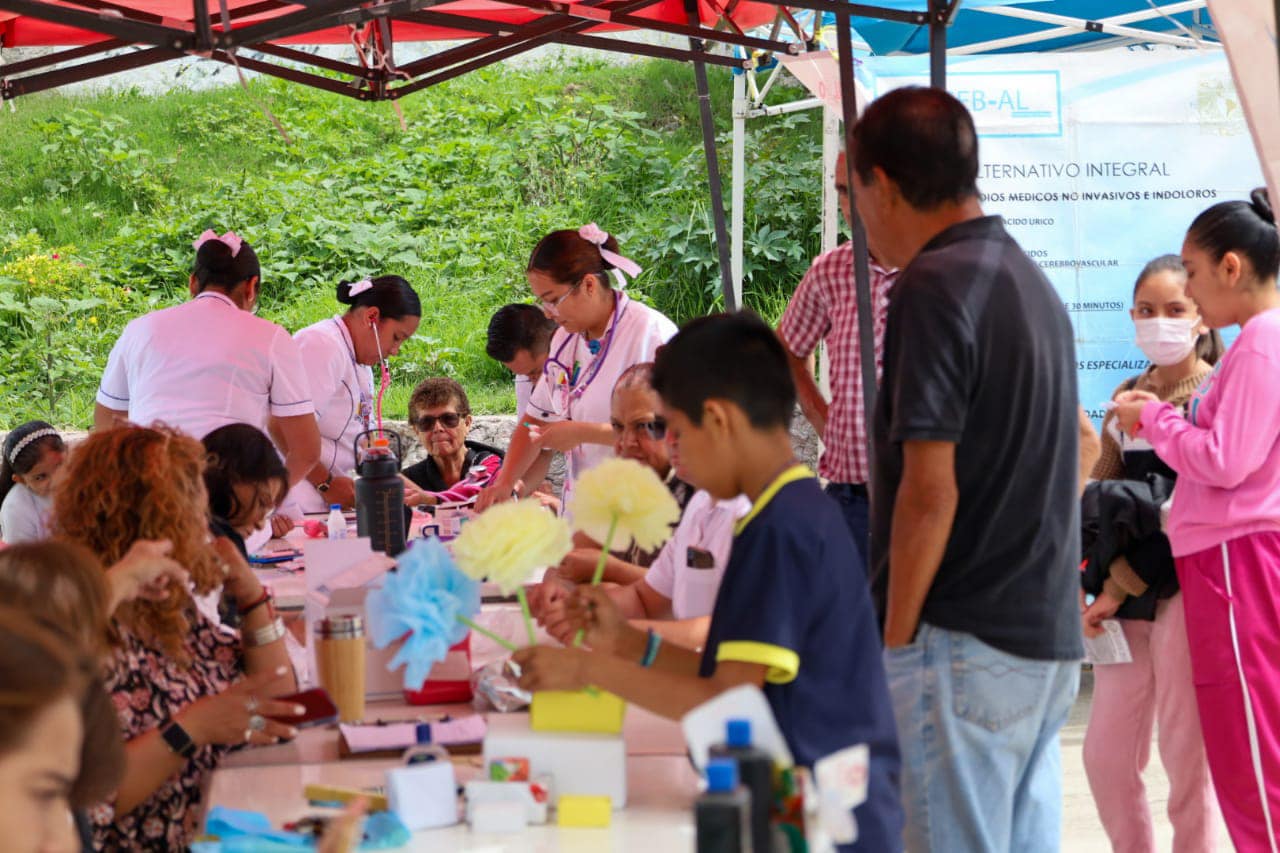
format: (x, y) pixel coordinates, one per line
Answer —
(1108, 647)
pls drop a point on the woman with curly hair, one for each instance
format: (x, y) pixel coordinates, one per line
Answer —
(186, 689)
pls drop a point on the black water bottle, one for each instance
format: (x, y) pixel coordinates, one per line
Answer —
(755, 770)
(380, 493)
(722, 815)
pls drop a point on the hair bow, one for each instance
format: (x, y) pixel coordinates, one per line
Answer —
(597, 236)
(231, 240)
(360, 287)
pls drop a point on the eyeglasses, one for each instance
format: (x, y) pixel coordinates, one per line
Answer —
(554, 305)
(448, 420)
(656, 428)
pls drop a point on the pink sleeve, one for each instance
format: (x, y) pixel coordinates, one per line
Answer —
(1243, 432)
(469, 486)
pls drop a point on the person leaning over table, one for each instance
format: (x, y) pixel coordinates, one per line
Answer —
(186, 689)
(602, 333)
(210, 362)
(519, 338)
(337, 353)
(455, 469)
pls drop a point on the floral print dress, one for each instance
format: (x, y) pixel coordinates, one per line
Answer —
(150, 688)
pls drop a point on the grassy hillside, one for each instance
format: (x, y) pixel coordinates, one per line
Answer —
(102, 195)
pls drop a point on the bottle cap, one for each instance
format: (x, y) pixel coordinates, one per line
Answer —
(340, 627)
(737, 733)
(722, 775)
(332, 507)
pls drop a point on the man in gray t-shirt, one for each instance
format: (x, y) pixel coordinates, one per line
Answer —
(974, 517)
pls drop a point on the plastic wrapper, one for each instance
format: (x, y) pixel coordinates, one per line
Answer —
(495, 688)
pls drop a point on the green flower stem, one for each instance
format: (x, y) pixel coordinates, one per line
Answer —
(598, 575)
(528, 618)
(506, 644)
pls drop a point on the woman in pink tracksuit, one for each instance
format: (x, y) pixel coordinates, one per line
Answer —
(1224, 527)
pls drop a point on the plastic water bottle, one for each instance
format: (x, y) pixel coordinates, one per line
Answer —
(722, 815)
(337, 524)
(380, 509)
(755, 770)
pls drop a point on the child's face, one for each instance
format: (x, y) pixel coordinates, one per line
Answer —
(697, 452)
(256, 501)
(40, 478)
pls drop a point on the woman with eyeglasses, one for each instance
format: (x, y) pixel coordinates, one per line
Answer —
(455, 469)
(578, 279)
(382, 313)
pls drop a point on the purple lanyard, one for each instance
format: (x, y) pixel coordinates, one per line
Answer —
(575, 389)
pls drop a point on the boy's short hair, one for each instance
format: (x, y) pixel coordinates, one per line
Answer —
(515, 327)
(734, 357)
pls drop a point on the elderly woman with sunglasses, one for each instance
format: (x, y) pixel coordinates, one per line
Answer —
(455, 469)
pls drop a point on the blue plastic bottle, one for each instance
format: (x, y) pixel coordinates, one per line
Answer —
(722, 815)
(755, 770)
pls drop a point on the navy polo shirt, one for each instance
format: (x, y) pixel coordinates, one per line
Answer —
(790, 602)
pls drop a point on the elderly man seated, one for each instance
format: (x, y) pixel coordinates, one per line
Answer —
(678, 590)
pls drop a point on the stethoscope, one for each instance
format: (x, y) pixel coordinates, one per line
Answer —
(365, 410)
(574, 390)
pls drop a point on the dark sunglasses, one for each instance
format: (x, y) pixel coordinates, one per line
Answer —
(656, 428)
(449, 420)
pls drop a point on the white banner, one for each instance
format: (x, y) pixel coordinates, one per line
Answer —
(1098, 162)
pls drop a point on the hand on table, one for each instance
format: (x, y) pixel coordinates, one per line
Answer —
(416, 496)
(145, 571)
(240, 714)
(1128, 409)
(342, 490)
(281, 525)
(499, 491)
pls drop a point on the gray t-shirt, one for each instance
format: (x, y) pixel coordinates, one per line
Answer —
(979, 352)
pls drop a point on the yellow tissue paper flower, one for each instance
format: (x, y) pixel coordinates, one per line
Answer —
(630, 492)
(508, 541)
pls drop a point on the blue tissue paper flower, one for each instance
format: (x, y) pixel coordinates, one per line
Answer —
(423, 598)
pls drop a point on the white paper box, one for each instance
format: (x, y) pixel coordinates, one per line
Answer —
(577, 763)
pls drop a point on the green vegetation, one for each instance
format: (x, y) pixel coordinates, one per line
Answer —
(102, 196)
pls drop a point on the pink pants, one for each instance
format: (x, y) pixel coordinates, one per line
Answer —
(1231, 594)
(1155, 687)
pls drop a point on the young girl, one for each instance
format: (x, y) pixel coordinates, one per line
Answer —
(1140, 587)
(246, 481)
(32, 453)
(1224, 527)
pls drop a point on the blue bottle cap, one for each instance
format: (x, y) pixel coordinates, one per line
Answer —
(737, 733)
(332, 507)
(722, 775)
(422, 734)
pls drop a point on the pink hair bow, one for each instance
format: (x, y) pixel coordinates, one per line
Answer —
(231, 240)
(596, 236)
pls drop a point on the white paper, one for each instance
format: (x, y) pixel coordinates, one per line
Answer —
(704, 726)
(1108, 647)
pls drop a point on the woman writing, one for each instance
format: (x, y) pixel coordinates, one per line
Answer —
(337, 353)
(1224, 526)
(602, 332)
(186, 690)
(210, 362)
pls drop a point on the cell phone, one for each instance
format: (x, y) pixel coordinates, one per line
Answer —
(320, 710)
(269, 557)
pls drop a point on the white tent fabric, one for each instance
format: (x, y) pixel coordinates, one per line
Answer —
(1248, 29)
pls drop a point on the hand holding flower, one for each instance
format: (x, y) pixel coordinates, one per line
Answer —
(547, 668)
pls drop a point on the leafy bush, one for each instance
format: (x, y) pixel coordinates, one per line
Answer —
(454, 202)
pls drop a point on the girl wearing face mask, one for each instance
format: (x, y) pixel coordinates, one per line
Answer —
(337, 354)
(1140, 587)
(1224, 526)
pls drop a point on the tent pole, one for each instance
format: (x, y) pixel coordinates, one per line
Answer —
(938, 44)
(861, 257)
(737, 178)
(696, 47)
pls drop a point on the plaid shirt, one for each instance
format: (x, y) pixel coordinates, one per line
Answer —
(825, 307)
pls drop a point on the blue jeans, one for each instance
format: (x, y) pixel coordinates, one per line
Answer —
(855, 507)
(978, 727)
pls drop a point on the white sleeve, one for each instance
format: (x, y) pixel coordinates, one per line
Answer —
(113, 390)
(324, 366)
(661, 576)
(542, 402)
(290, 392)
(19, 519)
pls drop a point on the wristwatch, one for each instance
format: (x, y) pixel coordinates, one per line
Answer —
(324, 487)
(178, 739)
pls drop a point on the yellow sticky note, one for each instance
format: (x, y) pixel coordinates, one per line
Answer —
(566, 711)
(580, 810)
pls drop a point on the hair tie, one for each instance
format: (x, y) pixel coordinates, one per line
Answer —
(27, 439)
(231, 240)
(359, 287)
(596, 236)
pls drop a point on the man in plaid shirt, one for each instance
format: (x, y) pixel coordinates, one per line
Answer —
(825, 308)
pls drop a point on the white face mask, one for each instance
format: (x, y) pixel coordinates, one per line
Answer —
(1166, 341)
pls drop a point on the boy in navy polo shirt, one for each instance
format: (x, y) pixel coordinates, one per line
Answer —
(793, 615)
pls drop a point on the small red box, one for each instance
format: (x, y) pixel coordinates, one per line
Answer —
(449, 681)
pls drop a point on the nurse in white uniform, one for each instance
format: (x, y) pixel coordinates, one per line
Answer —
(210, 362)
(337, 354)
(577, 279)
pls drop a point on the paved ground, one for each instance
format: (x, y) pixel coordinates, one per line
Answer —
(1081, 830)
